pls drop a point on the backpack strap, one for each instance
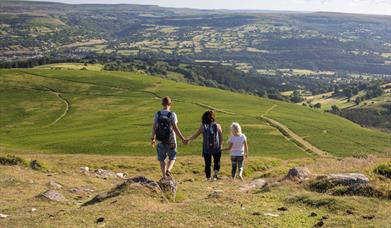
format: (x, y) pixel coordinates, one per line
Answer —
(169, 115)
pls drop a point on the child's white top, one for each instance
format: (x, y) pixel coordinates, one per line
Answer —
(237, 144)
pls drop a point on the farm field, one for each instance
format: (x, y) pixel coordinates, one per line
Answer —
(294, 72)
(71, 66)
(82, 111)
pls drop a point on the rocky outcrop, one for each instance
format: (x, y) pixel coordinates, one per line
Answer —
(348, 178)
(122, 188)
(350, 184)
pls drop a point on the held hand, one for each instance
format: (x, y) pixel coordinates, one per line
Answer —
(185, 141)
(246, 156)
(153, 143)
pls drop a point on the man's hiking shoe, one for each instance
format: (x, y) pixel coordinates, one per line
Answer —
(168, 174)
(215, 178)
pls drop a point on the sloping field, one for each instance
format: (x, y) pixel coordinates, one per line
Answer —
(111, 113)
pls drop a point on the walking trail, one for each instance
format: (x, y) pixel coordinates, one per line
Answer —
(67, 105)
(290, 134)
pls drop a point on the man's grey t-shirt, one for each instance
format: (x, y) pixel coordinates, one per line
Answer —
(173, 118)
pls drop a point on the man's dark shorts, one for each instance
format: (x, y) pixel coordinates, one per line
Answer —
(164, 150)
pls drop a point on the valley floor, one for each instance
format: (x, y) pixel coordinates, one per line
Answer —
(199, 203)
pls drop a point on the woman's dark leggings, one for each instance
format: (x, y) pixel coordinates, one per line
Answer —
(208, 163)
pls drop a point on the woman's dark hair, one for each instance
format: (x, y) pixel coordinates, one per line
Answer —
(208, 117)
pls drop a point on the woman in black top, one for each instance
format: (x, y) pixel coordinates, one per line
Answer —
(212, 142)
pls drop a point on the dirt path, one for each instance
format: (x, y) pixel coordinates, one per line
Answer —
(297, 139)
(67, 106)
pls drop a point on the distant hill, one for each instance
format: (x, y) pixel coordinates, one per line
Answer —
(342, 43)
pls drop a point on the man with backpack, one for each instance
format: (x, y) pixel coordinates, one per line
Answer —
(164, 131)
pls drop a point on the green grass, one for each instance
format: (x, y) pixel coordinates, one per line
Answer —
(111, 113)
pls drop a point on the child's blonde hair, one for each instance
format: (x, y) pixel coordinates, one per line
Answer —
(236, 129)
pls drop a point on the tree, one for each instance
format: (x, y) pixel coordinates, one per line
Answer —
(358, 100)
(334, 109)
(318, 105)
(296, 97)
(348, 92)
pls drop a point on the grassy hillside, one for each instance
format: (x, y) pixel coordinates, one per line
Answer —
(197, 204)
(74, 111)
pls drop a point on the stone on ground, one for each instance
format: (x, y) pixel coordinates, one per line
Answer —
(299, 173)
(36, 165)
(215, 194)
(55, 185)
(255, 184)
(168, 186)
(101, 173)
(53, 195)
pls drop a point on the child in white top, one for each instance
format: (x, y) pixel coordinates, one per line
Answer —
(238, 146)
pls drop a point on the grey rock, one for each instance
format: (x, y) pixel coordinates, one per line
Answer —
(35, 165)
(55, 185)
(215, 194)
(168, 186)
(348, 178)
(255, 184)
(101, 173)
(299, 173)
(121, 188)
(81, 190)
(53, 195)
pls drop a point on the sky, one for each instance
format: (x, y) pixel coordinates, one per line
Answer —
(347, 6)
